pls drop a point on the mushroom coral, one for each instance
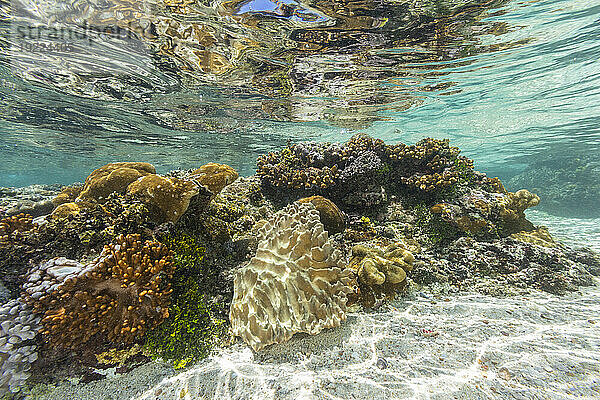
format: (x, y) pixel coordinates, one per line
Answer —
(121, 294)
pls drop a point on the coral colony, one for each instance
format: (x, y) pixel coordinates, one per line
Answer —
(136, 264)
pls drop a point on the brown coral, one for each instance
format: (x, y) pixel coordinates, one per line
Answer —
(540, 237)
(113, 177)
(67, 195)
(214, 176)
(120, 294)
(429, 165)
(330, 215)
(167, 197)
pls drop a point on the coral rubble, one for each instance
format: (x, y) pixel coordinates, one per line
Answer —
(295, 283)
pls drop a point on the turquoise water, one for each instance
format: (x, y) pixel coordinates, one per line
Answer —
(509, 82)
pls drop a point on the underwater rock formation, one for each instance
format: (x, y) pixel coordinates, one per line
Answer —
(120, 294)
(380, 272)
(505, 265)
(295, 283)
(18, 326)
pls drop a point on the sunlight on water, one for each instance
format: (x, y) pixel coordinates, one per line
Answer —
(493, 76)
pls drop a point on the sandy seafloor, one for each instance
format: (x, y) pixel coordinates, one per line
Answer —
(535, 346)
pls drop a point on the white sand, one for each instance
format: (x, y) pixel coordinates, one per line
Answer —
(535, 347)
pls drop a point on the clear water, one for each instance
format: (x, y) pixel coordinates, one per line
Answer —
(510, 82)
(515, 84)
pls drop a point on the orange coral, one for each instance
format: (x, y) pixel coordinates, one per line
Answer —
(17, 223)
(121, 294)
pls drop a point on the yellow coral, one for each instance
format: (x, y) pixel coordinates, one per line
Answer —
(169, 197)
(113, 177)
(380, 271)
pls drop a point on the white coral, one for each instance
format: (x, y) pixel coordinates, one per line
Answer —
(295, 283)
(17, 325)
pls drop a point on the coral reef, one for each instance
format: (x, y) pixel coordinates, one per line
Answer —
(502, 266)
(13, 226)
(568, 185)
(121, 294)
(68, 194)
(360, 172)
(168, 198)
(295, 283)
(214, 176)
(18, 326)
(113, 178)
(331, 216)
(380, 272)
(488, 214)
(539, 236)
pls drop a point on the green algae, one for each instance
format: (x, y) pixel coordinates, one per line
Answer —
(193, 327)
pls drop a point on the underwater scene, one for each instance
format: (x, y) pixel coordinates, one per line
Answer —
(299, 199)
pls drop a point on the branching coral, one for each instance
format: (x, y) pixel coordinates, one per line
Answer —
(121, 294)
(429, 165)
(296, 282)
(380, 272)
(18, 326)
(360, 171)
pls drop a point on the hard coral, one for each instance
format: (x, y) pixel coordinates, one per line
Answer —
(380, 272)
(168, 197)
(295, 283)
(113, 177)
(540, 236)
(214, 176)
(18, 326)
(488, 214)
(430, 164)
(120, 294)
(361, 171)
(331, 216)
